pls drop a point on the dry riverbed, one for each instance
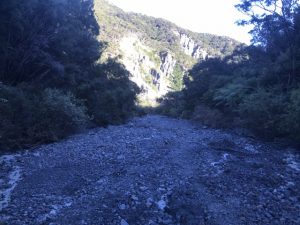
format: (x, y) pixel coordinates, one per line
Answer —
(153, 170)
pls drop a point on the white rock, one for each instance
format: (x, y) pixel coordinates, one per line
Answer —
(135, 198)
(122, 206)
(161, 204)
(124, 222)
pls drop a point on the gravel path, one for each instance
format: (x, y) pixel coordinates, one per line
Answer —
(153, 170)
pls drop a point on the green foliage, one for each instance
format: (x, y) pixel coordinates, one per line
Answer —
(177, 79)
(28, 117)
(50, 83)
(110, 98)
(230, 95)
(276, 29)
(160, 35)
(245, 90)
(60, 113)
(263, 111)
(41, 40)
(209, 116)
(252, 88)
(172, 105)
(153, 56)
(291, 119)
(11, 116)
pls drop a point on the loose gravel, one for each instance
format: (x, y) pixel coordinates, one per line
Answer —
(153, 170)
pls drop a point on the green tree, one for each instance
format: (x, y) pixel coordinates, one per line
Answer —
(50, 82)
(276, 30)
(43, 39)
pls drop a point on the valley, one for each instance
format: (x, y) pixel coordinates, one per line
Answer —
(117, 118)
(156, 52)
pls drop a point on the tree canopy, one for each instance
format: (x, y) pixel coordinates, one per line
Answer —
(51, 84)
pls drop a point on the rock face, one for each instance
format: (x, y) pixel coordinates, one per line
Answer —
(200, 53)
(187, 44)
(155, 51)
(153, 71)
(191, 48)
(167, 63)
(150, 71)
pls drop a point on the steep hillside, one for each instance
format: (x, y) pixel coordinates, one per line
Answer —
(155, 51)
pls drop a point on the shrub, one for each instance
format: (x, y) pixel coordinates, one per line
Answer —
(172, 105)
(262, 111)
(56, 115)
(230, 96)
(208, 116)
(291, 119)
(108, 102)
(30, 117)
(13, 110)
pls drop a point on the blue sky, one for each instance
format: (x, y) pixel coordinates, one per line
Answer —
(206, 16)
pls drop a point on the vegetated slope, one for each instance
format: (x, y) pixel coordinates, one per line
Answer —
(51, 85)
(256, 87)
(155, 51)
(153, 170)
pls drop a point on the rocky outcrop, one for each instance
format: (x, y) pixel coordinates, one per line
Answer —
(149, 73)
(168, 63)
(134, 59)
(155, 77)
(156, 52)
(151, 70)
(187, 44)
(200, 53)
(191, 48)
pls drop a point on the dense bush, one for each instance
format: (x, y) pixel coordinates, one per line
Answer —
(208, 116)
(171, 105)
(262, 111)
(12, 116)
(28, 117)
(51, 82)
(244, 95)
(291, 119)
(60, 113)
(110, 96)
(255, 87)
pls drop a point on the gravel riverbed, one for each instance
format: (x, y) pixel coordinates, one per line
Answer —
(152, 170)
